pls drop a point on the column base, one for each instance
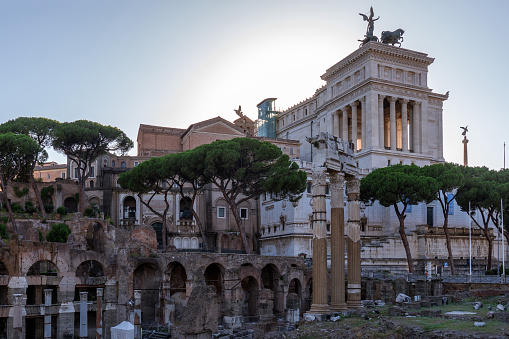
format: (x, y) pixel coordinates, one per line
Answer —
(319, 308)
(317, 316)
(338, 307)
(354, 304)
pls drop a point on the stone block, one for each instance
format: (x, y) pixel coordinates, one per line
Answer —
(502, 316)
(431, 313)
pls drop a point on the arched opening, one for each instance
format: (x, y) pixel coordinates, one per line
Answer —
(158, 227)
(147, 278)
(250, 297)
(129, 208)
(71, 204)
(294, 295)
(91, 183)
(214, 276)
(35, 293)
(90, 269)
(123, 164)
(185, 209)
(96, 238)
(113, 163)
(176, 299)
(270, 282)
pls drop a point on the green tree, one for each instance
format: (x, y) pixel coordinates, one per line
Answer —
(399, 186)
(480, 194)
(58, 233)
(152, 177)
(40, 130)
(16, 150)
(449, 178)
(82, 141)
(244, 168)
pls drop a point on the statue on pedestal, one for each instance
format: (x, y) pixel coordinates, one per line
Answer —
(371, 27)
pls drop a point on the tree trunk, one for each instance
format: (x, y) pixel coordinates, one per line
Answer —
(409, 259)
(37, 193)
(242, 231)
(448, 243)
(9, 209)
(490, 246)
(81, 203)
(164, 230)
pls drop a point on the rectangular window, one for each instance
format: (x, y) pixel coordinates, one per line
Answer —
(135, 163)
(92, 171)
(221, 212)
(430, 216)
(48, 176)
(451, 203)
(243, 213)
(76, 172)
(308, 188)
(62, 175)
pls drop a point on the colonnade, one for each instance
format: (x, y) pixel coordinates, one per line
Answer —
(382, 121)
(338, 181)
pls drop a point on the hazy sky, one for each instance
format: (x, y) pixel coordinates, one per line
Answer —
(174, 63)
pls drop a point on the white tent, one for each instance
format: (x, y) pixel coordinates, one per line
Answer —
(124, 330)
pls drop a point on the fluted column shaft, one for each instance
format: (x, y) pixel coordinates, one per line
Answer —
(354, 125)
(47, 313)
(381, 121)
(392, 102)
(344, 136)
(404, 125)
(337, 181)
(363, 124)
(416, 119)
(83, 315)
(320, 297)
(354, 244)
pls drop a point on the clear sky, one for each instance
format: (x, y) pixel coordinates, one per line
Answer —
(172, 63)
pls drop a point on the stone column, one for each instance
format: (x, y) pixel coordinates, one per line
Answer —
(424, 127)
(381, 121)
(111, 312)
(354, 244)
(337, 181)
(465, 151)
(417, 126)
(137, 314)
(47, 313)
(392, 102)
(83, 315)
(320, 297)
(440, 145)
(404, 125)
(18, 321)
(334, 124)
(354, 125)
(344, 136)
(363, 124)
(65, 321)
(98, 314)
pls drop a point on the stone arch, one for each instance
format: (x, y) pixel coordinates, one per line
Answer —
(176, 289)
(72, 204)
(35, 292)
(90, 269)
(270, 282)
(96, 237)
(294, 297)
(32, 257)
(94, 201)
(195, 244)
(129, 207)
(213, 275)
(147, 278)
(43, 267)
(250, 290)
(186, 205)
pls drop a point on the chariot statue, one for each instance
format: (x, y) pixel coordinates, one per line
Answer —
(393, 37)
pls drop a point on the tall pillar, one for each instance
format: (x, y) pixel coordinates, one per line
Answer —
(424, 127)
(417, 126)
(404, 125)
(372, 128)
(334, 128)
(354, 125)
(137, 314)
(363, 124)
(83, 315)
(47, 313)
(112, 314)
(354, 244)
(320, 297)
(65, 321)
(381, 121)
(344, 136)
(18, 321)
(392, 102)
(440, 145)
(98, 314)
(465, 151)
(337, 181)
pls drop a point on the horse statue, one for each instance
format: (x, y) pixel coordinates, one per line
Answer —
(392, 37)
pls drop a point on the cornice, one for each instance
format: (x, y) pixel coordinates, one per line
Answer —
(376, 48)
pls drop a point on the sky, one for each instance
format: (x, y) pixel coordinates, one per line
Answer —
(173, 63)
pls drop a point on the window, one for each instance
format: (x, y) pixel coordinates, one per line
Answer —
(291, 150)
(48, 176)
(221, 212)
(92, 171)
(76, 172)
(327, 189)
(91, 183)
(243, 213)
(112, 163)
(306, 111)
(308, 188)
(122, 164)
(451, 203)
(430, 216)
(135, 163)
(62, 175)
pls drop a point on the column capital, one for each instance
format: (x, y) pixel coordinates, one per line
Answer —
(319, 176)
(99, 292)
(392, 99)
(416, 103)
(363, 99)
(83, 296)
(381, 97)
(344, 109)
(354, 104)
(404, 101)
(353, 186)
(337, 180)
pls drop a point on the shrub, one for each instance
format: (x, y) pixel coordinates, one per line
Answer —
(16, 208)
(48, 208)
(89, 212)
(58, 233)
(62, 210)
(29, 207)
(3, 232)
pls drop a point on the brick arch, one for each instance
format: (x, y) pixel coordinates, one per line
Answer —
(77, 260)
(30, 258)
(246, 271)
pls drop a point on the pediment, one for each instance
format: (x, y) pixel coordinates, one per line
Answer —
(219, 127)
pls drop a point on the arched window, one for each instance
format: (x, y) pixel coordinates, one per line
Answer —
(113, 163)
(129, 208)
(123, 164)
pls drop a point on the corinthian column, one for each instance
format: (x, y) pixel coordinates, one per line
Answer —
(392, 102)
(354, 244)
(344, 136)
(354, 125)
(363, 124)
(404, 125)
(337, 181)
(320, 298)
(416, 128)
(381, 121)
